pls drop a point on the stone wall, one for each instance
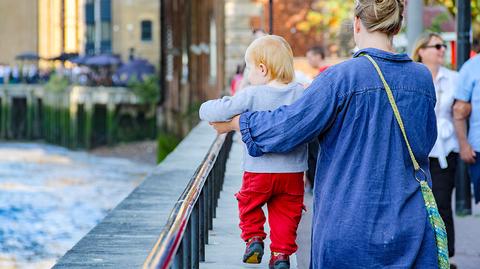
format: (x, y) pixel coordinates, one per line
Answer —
(18, 29)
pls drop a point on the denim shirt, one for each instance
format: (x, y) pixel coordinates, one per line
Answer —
(368, 208)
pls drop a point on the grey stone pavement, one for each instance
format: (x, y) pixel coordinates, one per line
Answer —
(467, 241)
(226, 248)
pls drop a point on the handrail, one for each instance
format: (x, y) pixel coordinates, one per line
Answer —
(205, 185)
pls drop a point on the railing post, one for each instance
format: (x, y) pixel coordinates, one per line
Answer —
(202, 217)
(194, 220)
(187, 248)
(178, 261)
(210, 201)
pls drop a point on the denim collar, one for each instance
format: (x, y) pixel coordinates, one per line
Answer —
(402, 57)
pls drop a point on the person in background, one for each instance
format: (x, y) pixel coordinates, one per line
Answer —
(2, 75)
(237, 79)
(467, 106)
(430, 49)
(15, 75)
(316, 58)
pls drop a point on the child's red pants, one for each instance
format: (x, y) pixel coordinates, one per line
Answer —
(283, 194)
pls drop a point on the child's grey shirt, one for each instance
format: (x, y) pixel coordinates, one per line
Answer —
(260, 98)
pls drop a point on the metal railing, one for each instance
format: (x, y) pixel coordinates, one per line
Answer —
(181, 244)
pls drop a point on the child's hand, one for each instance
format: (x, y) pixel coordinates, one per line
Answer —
(225, 127)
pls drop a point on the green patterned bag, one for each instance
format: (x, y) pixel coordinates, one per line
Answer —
(434, 217)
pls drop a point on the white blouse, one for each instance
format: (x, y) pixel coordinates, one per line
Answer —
(445, 84)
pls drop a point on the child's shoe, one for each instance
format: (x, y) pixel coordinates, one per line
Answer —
(279, 261)
(254, 250)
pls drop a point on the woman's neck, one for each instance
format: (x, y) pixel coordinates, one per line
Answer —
(376, 40)
(277, 84)
(434, 68)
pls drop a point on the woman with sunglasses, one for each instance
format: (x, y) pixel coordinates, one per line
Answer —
(430, 50)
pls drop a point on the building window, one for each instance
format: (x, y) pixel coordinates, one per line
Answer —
(146, 27)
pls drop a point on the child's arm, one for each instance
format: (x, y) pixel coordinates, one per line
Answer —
(227, 107)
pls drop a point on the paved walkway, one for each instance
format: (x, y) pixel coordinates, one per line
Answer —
(467, 233)
(226, 248)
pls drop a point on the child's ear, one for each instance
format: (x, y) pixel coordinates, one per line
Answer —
(263, 69)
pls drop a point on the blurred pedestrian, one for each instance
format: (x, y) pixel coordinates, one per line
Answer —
(430, 50)
(2, 76)
(237, 79)
(15, 75)
(467, 106)
(316, 58)
(375, 118)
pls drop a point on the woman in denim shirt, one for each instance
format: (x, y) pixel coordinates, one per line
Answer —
(368, 208)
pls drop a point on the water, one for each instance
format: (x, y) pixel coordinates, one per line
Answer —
(50, 197)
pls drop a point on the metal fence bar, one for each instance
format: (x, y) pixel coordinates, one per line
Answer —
(182, 242)
(194, 219)
(211, 202)
(201, 213)
(187, 247)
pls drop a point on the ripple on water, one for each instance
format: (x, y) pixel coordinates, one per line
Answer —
(50, 197)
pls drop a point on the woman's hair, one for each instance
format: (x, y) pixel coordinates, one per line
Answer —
(276, 54)
(421, 43)
(384, 16)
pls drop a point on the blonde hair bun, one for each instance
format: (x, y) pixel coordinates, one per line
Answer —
(385, 16)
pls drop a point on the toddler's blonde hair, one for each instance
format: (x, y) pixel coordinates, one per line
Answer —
(276, 54)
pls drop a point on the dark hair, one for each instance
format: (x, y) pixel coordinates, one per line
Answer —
(254, 31)
(317, 50)
(240, 68)
(476, 44)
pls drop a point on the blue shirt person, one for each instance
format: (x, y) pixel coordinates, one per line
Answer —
(468, 95)
(368, 209)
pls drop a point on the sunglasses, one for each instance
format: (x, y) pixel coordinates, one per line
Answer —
(437, 46)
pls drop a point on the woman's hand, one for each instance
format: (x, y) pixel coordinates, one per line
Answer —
(225, 127)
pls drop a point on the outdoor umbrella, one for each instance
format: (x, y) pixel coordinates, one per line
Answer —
(79, 59)
(65, 56)
(28, 56)
(102, 60)
(134, 69)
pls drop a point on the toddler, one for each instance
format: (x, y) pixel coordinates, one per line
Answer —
(272, 179)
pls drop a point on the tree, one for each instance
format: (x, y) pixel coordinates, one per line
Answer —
(328, 17)
(451, 5)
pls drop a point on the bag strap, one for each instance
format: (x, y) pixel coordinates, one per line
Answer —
(395, 111)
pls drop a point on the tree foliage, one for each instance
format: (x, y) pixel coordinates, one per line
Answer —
(451, 5)
(326, 16)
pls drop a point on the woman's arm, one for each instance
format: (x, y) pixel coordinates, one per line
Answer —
(224, 109)
(461, 111)
(285, 128)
